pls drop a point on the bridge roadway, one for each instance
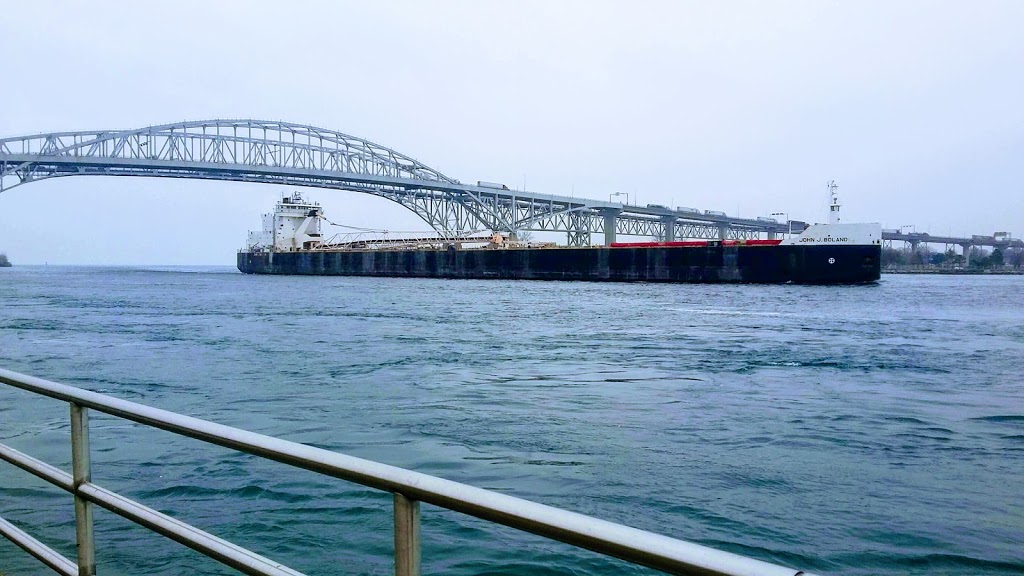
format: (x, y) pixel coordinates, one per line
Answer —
(292, 154)
(917, 238)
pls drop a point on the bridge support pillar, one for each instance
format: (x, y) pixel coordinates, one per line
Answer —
(611, 216)
(967, 254)
(669, 223)
(723, 231)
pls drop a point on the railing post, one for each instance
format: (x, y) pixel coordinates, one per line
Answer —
(81, 473)
(407, 536)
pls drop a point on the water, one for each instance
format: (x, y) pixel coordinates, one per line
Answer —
(845, 430)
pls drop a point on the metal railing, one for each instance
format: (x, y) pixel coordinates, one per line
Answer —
(409, 489)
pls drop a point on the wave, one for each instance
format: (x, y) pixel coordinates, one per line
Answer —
(1007, 418)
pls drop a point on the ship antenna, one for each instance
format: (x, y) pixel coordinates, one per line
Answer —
(833, 208)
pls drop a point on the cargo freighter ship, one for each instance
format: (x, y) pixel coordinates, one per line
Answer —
(291, 242)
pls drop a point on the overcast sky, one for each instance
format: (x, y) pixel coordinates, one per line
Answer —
(914, 108)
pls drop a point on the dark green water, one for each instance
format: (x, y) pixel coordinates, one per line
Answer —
(845, 430)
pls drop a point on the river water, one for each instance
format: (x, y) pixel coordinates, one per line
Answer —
(843, 430)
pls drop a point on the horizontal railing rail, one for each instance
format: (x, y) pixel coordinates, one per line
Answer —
(409, 489)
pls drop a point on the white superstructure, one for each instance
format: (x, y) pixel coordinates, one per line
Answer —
(293, 225)
(835, 232)
(852, 234)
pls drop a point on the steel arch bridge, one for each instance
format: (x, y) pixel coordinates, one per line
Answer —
(292, 154)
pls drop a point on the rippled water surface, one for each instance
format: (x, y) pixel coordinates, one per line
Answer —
(845, 430)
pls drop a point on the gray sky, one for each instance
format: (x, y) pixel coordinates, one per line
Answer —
(914, 108)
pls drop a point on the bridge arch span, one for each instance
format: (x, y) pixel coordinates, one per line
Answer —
(260, 142)
(290, 154)
(272, 152)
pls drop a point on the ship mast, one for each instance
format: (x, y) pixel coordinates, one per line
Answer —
(833, 208)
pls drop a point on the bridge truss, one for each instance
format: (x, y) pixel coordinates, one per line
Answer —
(291, 154)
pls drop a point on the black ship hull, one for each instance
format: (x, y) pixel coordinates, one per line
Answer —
(714, 263)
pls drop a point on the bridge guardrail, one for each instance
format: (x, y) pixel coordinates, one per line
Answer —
(409, 489)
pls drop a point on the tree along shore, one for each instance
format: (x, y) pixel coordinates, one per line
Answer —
(924, 261)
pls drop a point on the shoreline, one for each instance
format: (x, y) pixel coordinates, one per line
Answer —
(982, 272)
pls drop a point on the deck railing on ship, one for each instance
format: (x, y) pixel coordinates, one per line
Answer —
(409, 489)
